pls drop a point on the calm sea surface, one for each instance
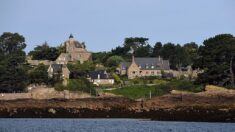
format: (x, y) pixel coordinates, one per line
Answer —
(109, 125)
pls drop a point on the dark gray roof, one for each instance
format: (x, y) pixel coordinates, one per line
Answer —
(156, 63)
(102, 73)
(77, 44)
(148, 63)
(57, 67)
(125, 65)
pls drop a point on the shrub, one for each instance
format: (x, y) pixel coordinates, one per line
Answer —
(81, 84)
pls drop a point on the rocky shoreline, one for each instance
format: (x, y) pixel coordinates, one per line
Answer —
(174, 107)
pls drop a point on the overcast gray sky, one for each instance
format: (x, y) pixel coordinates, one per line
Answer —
(103, 24)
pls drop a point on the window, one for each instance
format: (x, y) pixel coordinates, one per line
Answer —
(140, 72)
(152, 73)
(152, 67)
(147, 72)
(124, 68)
(133, 72)
(147, 66)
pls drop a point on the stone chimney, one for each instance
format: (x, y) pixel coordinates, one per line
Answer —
(98, 76)
(133, 58)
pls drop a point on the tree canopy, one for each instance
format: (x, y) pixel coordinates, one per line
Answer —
(13, 76)
(45, 52)
(216, 57)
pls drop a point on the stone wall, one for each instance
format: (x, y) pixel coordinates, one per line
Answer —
(37, 62)
(44, 93)
(14, 96)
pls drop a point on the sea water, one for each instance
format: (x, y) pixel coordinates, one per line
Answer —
(109, 125)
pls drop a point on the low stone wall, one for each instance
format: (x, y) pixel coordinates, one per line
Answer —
(37, 62)
(14, 96)
(44, 93)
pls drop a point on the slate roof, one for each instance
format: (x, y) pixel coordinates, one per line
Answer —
(78, 45)
(148, 63)
(125, 65)
(102, 73)
(57, 67)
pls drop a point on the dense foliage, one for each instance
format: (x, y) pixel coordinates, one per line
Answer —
(179, 56)
(13, 76)
(45, 52)
(81, 84)
(216, 58)
(39, 75)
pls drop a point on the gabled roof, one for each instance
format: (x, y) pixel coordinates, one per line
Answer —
(74, 42)
(101, 73)
(152, 63)
(148, 63)
(78, 44)
(56, 67)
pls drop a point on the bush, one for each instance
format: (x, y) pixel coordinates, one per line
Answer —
(81, 84)
(59, 86)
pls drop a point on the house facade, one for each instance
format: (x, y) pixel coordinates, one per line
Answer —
(144, 66)
(58, 69)
(100, 77)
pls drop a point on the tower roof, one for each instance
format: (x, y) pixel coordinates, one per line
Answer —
(71, 35)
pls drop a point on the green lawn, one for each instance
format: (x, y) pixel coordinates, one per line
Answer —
(142, 91)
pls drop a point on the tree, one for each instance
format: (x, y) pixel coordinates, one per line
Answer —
(114, 61)
(39, 75)
(100, 57)
(216, 58)
(191, 50)
(81, 69)
(13, 75)
(45, 52)
(143, 51)
(156, 49)
(116, 78)
(11, 43)
(135, 42)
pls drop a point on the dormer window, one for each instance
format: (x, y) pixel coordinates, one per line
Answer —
(152, 67)
(147, 66)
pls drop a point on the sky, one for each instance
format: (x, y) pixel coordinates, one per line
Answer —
(103, 24)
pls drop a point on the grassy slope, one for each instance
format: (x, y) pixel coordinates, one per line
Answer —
(143, 91)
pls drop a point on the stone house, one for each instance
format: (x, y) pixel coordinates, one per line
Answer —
(75, 51)
(58, 69)
(187, 72)
(100, 77)
(144, 66)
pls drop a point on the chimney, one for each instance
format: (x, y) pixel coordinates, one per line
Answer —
(98, 76)
(159, 58)
(133, 58)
